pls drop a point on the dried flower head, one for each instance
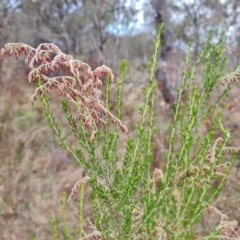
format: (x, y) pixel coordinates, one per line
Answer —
(221, 168)
(77, 185)
(231, 78)
(228, 150)
(95, 235)
(71, 78)
(157, 176)
(138, 230)
(136, 217)
(212, 151)
(229, 229)
(159, 231)
(178, 176)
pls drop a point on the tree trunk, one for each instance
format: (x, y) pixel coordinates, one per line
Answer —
(163, 80)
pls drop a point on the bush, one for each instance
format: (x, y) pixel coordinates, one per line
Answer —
(131, 200)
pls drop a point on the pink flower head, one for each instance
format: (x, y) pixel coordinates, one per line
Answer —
(76, 81)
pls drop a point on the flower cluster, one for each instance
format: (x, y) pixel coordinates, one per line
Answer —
(71, 78)
(140, 232)
(77, 185)
(231, 78)
(227, 229)
(209, 168)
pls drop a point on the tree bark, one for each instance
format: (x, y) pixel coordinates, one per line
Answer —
(163, 80)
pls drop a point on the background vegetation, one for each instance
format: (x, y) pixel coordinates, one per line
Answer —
(35, 171)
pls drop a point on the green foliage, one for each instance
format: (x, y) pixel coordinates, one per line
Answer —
(118, 192)
(55, 228)
(64, 220)
(130, 200)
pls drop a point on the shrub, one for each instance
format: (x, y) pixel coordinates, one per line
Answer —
(135, 201)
